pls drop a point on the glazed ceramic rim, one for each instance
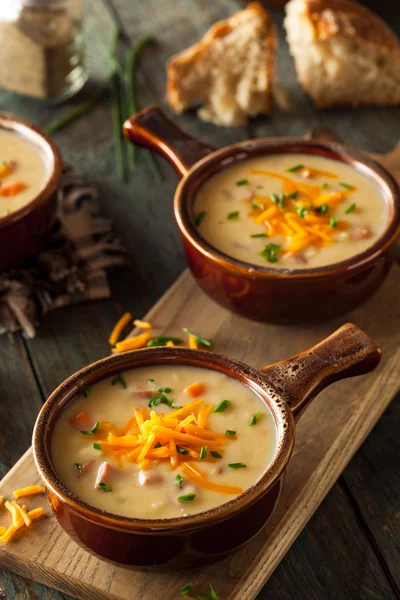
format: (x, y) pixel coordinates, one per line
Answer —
(112, 365)
(52, 159)
(241, 151)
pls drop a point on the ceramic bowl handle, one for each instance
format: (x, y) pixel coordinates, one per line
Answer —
(345, 353)
(150, 127)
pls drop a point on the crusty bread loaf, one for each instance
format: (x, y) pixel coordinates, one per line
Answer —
(344, 54)
(229, 72)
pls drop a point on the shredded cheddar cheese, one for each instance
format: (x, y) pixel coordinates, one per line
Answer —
(7, 534)
(31, 490)
(133, 343)
(21, 518)
(193, 342)
(175, 438)
(142, 324)
(297, 216)
(119, 327)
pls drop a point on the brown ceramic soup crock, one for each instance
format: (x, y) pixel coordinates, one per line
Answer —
(262, 293)
(23, 232)
(287, 388)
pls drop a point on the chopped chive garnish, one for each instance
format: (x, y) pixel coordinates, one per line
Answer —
(119, 380)
(270, 251)
(166, 390)
(199, 339)
(333, 222)
(213, 593)
(242, 182)
(198, 219)
(78, 466)
(274, 197)
(255, 206)
(324, 186)
(162, 340)
(346, 185)
(158, 445)
(186, 589)
(233, 216)
(203, 452)
(294, 194)
(222, 406)
(212, 596)
(90, 431)
(86, 391)
(254, 419)
(105, 487)
(186, 498)
(179, 479)
(97, 446)
(301, 211)
(239, 465)
(259, 235)
(350, 208)
(323, 209)
(161, 399)
(215, 454)
(182, 450)
(281, 200)
(294, 169)
(230, 433)
(150, 380)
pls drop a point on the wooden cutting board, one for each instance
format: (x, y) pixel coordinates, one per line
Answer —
(328, 435)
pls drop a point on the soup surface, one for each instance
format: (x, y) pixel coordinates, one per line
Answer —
(22, 172)
(292, 211)
(160, 461)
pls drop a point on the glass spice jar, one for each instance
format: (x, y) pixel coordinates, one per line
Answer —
(41, 48)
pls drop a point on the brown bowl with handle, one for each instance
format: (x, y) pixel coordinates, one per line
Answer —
(262, 293)
(287, 388)
(23, 231)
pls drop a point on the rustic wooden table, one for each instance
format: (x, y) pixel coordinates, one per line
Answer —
(350, 548)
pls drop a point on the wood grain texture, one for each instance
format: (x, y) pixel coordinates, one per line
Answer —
(328, 435)
(143, 217)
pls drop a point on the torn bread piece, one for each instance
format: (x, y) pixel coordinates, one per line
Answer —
(229, 72)
(344, 54)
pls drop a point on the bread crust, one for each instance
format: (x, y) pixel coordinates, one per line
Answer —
(178, 64)
(347, 20)
(350, 19)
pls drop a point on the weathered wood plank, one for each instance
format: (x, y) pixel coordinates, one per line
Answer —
(373, 483)
(331, 560)
(19, 405)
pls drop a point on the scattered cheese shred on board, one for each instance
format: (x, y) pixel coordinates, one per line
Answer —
(133, 343)
(142, 324)
(119, 327)
(7, 535)
(31, 490)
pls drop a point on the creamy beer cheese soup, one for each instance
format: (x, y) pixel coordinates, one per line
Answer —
(22, 172)
(290, 211)
(157, 442)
